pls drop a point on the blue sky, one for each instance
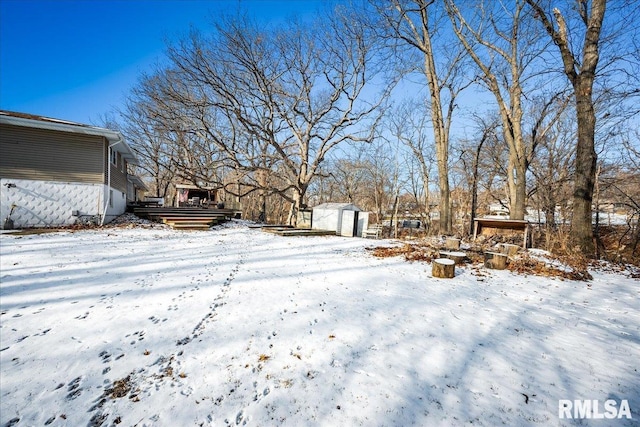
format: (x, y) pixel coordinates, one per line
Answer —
(76, 59)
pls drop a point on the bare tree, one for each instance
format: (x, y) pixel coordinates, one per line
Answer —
(580, 69)
(552, 171)
(417, 25)
(382, 175)
(166, 143)
(471, 156)
(350, 180)
(276, 100)
(418, 190)
(151, 144)
(408, 124)
(504, 49)
(618, 188)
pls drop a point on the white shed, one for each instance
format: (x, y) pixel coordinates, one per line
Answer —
(346, 219)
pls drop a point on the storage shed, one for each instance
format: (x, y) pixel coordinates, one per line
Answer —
(346, 219)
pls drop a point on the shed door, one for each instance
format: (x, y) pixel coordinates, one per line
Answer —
(349, 226)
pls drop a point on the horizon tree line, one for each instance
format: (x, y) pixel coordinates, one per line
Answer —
(373, 98)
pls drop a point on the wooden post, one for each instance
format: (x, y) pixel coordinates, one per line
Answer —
(443, 268)
(457, 257)
(452, 243)
(495, 261)
(475, 228)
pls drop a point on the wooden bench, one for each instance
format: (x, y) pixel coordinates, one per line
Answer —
(374, 231)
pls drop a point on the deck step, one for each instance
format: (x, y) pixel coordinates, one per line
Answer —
(193, 218)
(189, 223)
(183, 219)
(189, 226)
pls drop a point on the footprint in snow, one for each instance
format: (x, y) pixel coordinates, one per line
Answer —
(74, 389)
(105, 356)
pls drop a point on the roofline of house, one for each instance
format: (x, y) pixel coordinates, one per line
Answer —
(115, 139)
(135, 180)
(195, 187)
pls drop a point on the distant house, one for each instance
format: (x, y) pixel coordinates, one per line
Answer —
(55, 172)
(499, 209)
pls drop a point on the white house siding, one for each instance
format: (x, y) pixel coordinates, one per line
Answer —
(51, 204)
(117, 203)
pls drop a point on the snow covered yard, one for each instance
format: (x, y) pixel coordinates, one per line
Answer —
(155, 327)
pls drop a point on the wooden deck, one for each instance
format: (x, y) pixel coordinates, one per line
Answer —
(289, 231)
(191, 218)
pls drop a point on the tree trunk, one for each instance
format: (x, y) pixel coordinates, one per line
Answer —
(549, 210)
(474, 189)
(495, 78)
(394, 216)
(519, 205)
(581, 74)
(585, 172)
(296, 204)
(441, 136)
(441, 133)
(262, 195)
(443, 268)
(426, 214)
(495, 260)
(446, 220)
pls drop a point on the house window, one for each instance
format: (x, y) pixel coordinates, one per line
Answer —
(113, 154)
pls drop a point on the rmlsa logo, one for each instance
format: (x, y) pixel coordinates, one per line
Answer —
(592, 409)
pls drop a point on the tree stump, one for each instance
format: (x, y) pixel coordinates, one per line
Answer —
(495, 261)
(452, 243)
(443, 268)
(509, 249)
(457, 257)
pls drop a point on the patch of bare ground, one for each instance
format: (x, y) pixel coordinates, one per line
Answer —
(410, 252)
(570, 267)
(127, 220)
(120, 388)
